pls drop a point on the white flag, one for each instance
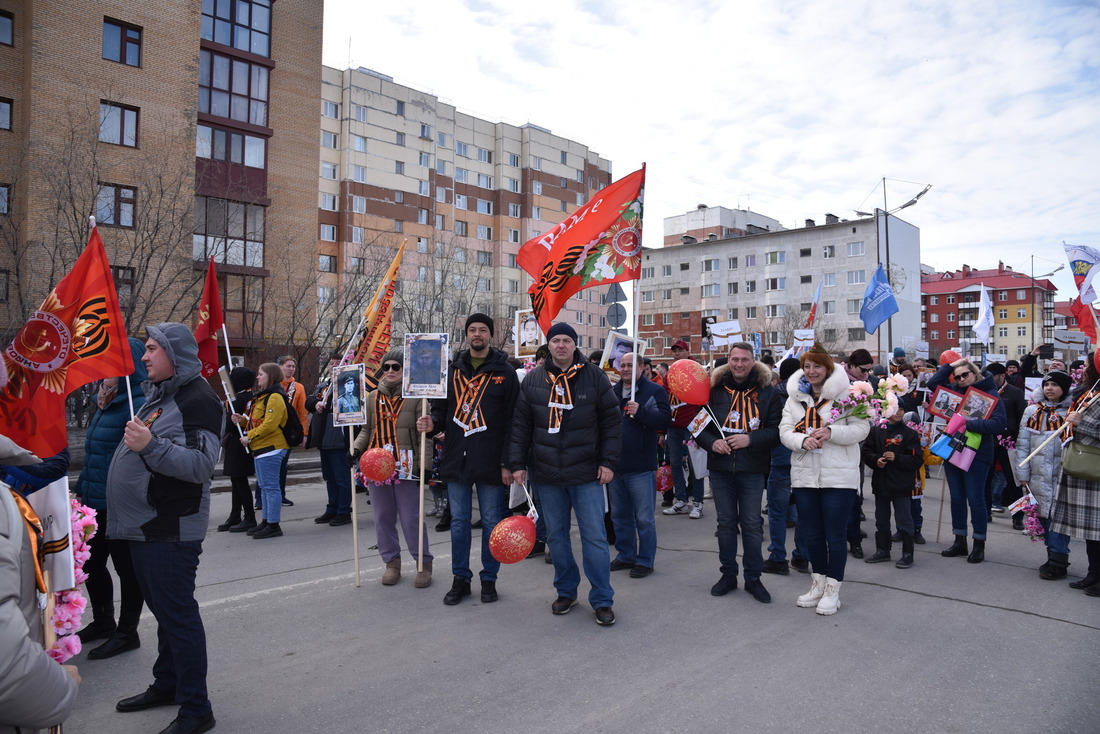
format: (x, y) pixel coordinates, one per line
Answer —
(985, 318)
(51, 504)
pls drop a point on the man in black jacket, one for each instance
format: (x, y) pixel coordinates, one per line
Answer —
(477, 419)
(332, 444)
(739, 456)
(567, 433)
(1015, 403)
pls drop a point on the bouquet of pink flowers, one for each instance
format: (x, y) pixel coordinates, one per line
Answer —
(1032, 526)
(863, 401)
(69, 604)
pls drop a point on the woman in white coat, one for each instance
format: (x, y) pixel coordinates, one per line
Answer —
(825, 470)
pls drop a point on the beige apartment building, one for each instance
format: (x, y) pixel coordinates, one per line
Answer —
(399, 164)
(180, 126)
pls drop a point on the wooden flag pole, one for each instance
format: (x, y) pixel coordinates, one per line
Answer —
(421, 531)
(943, 491)
(354, 514)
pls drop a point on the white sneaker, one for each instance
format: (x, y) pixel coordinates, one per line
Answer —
(679, 507)
(696, 510)
(817, 590)
(830, 600)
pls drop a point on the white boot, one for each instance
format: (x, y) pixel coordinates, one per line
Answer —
(811, 597)
(830, 602)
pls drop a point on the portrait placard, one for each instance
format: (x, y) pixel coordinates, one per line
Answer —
(348, 389)
(944, 402)
(529, 336)
(426, 359)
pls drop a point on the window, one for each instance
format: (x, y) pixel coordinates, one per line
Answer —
(121, 41)
(1002, 313)
(934, 318)
(244, 24)
(230, 231)
(666, 270)
(855, 277)
(950, 315)
(461, 175)
(7, 29)
(513, 235)
(422, 273)
(805, 252)
(828, 280)
(536, 163)
(327, 264)
(830, 335)
(775, 284)
(512, 263)
(425, 159)
(421, 216)
(485, 156)
(425, 131)
(461, 228)
(328, 232)
(461, 202)
(399, 139)
(399, 167)
(484, 206)
(710, 290)
(647, 272)
(358, 144)
(857, 334)
(513, 160)
(421, 244)
(536, 187)
(328, 170)
(359, 112)
(1021, 295)
(1002, 331)
(732, 263)
(5, 199)
(325, 295)
(115, 205)
(774, 311)
(1002, 295)
(950, 300)
(934, 334)
(536, 212)
(775, 258)
(710, 265)
(359, 204)
(5, 113)
(685, 267)
(750, 312)
(647, 296)
(750, 286)
(330, 109)
(951, 334)
(935, 300)
(328, 202)
(484, 258)
(329, 140)
(648, 319)
(398, 225)
(828, 251)
(400, 108)
(359, 173)
(484, 232)
(222, 145)
(514, 210)
(513, 184)
(484, 181)
(117, 124)
(1021, 313)
(462, 149)
(232, 88)
(750, 261)
(855, 249)
(485, 284)
(854, 305)
(666, 294)
(440, 221)
(424, 189)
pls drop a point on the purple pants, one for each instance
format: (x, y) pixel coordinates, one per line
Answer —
(393, 502)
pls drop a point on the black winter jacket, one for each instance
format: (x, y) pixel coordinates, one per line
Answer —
(640, 430)
(479, 457)
(590, 436)
(757, 458)
(322, 434)
(898, 477)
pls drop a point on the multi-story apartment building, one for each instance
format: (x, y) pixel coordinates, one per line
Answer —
(180, 126)
(714, 222)
(399, 164)
(767, 282)
(1023, 310)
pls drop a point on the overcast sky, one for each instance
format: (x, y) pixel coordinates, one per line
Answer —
(790, 109)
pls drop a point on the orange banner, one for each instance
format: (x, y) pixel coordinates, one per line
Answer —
(378, 320)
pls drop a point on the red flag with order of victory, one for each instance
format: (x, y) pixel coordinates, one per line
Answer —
(211, 319)
(75, 337)
(598, 244)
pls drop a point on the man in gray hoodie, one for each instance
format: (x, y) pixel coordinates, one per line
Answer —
(158, 497)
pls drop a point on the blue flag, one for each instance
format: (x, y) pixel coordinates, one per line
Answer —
(878, 302)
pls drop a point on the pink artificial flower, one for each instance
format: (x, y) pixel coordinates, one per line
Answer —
(65, 648)
(861, 387)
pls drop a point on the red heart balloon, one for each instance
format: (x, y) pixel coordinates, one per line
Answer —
(377, 465)
(688, 380)
(512, 539)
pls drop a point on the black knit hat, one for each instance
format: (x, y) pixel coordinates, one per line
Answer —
(561, 328)
(479, 318)
(1059, 378)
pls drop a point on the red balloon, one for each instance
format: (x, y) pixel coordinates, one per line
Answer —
(512, 539)
(948, 356)
(689, 381)
(377, 465)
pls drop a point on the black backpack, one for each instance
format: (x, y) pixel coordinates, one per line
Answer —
(292, 429)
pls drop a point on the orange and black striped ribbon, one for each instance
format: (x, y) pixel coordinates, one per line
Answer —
(561, 395)
(744, 407)
(468, 405)
(34, 530)
(1045, 418)
(386, 410)
(812, 419)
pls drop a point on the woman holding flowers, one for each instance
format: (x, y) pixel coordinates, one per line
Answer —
(968, 487)
(822, 426)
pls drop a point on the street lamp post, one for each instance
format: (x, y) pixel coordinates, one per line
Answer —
(1034, 288)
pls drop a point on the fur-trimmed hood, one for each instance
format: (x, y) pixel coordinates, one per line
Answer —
(763, 374)
(835, 387)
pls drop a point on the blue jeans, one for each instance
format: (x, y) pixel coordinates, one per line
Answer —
(490, 503)
(166, 575)
(779, 501)
(737, 497)
(824, 517)
(677, 452)
(587, 502)
(268, 467)
(337, 476)
(1055, 542)
(916, 511)
(633, 506)
(968, 488)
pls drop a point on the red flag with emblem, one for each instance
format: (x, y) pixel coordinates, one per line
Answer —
(1086, 321)
(211, 319)
(75, 337)
(598, 244)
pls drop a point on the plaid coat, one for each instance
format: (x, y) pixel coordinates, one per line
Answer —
(1076, 510)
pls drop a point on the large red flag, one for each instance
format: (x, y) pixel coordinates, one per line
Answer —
(211, 319)
(599, 244)
(75, 337)
(1085, 320)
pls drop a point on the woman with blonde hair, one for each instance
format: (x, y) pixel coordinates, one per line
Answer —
(825, 470)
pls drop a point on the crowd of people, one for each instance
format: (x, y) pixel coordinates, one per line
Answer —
(589, 447)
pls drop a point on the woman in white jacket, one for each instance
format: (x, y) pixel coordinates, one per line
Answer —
(825, 470)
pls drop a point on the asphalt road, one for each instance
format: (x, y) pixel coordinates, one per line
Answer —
(946, 646)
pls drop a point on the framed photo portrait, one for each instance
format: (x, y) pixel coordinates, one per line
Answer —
(529, 336)
(944, 402)
(426, 360)
(617, 345)
(977, 404)
(349, 389)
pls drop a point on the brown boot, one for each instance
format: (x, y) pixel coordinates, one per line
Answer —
(393, 572)
(424, 578)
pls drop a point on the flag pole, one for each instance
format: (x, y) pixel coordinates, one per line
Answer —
(421, 530)
(129, 397)
(354, 513)
(634, 371)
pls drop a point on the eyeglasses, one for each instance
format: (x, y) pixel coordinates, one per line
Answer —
(963, 375)
(865, 370)
(391, 366)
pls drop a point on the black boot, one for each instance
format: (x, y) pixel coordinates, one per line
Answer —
(1055, 567)
(978, 554)
(882, 546)
(906, 560)
(1018, 521)
(459, 588)
(958, 548)
(856, 549)
(444, 519)
(123, 640)
(1090, 580)
(102, 626)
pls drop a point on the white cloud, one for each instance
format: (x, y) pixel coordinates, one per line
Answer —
(792, 108)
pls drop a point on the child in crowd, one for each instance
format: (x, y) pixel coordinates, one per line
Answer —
(894, 454)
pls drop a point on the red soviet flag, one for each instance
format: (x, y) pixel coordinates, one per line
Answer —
(599, 244)
(75, 337)
(211, 319)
